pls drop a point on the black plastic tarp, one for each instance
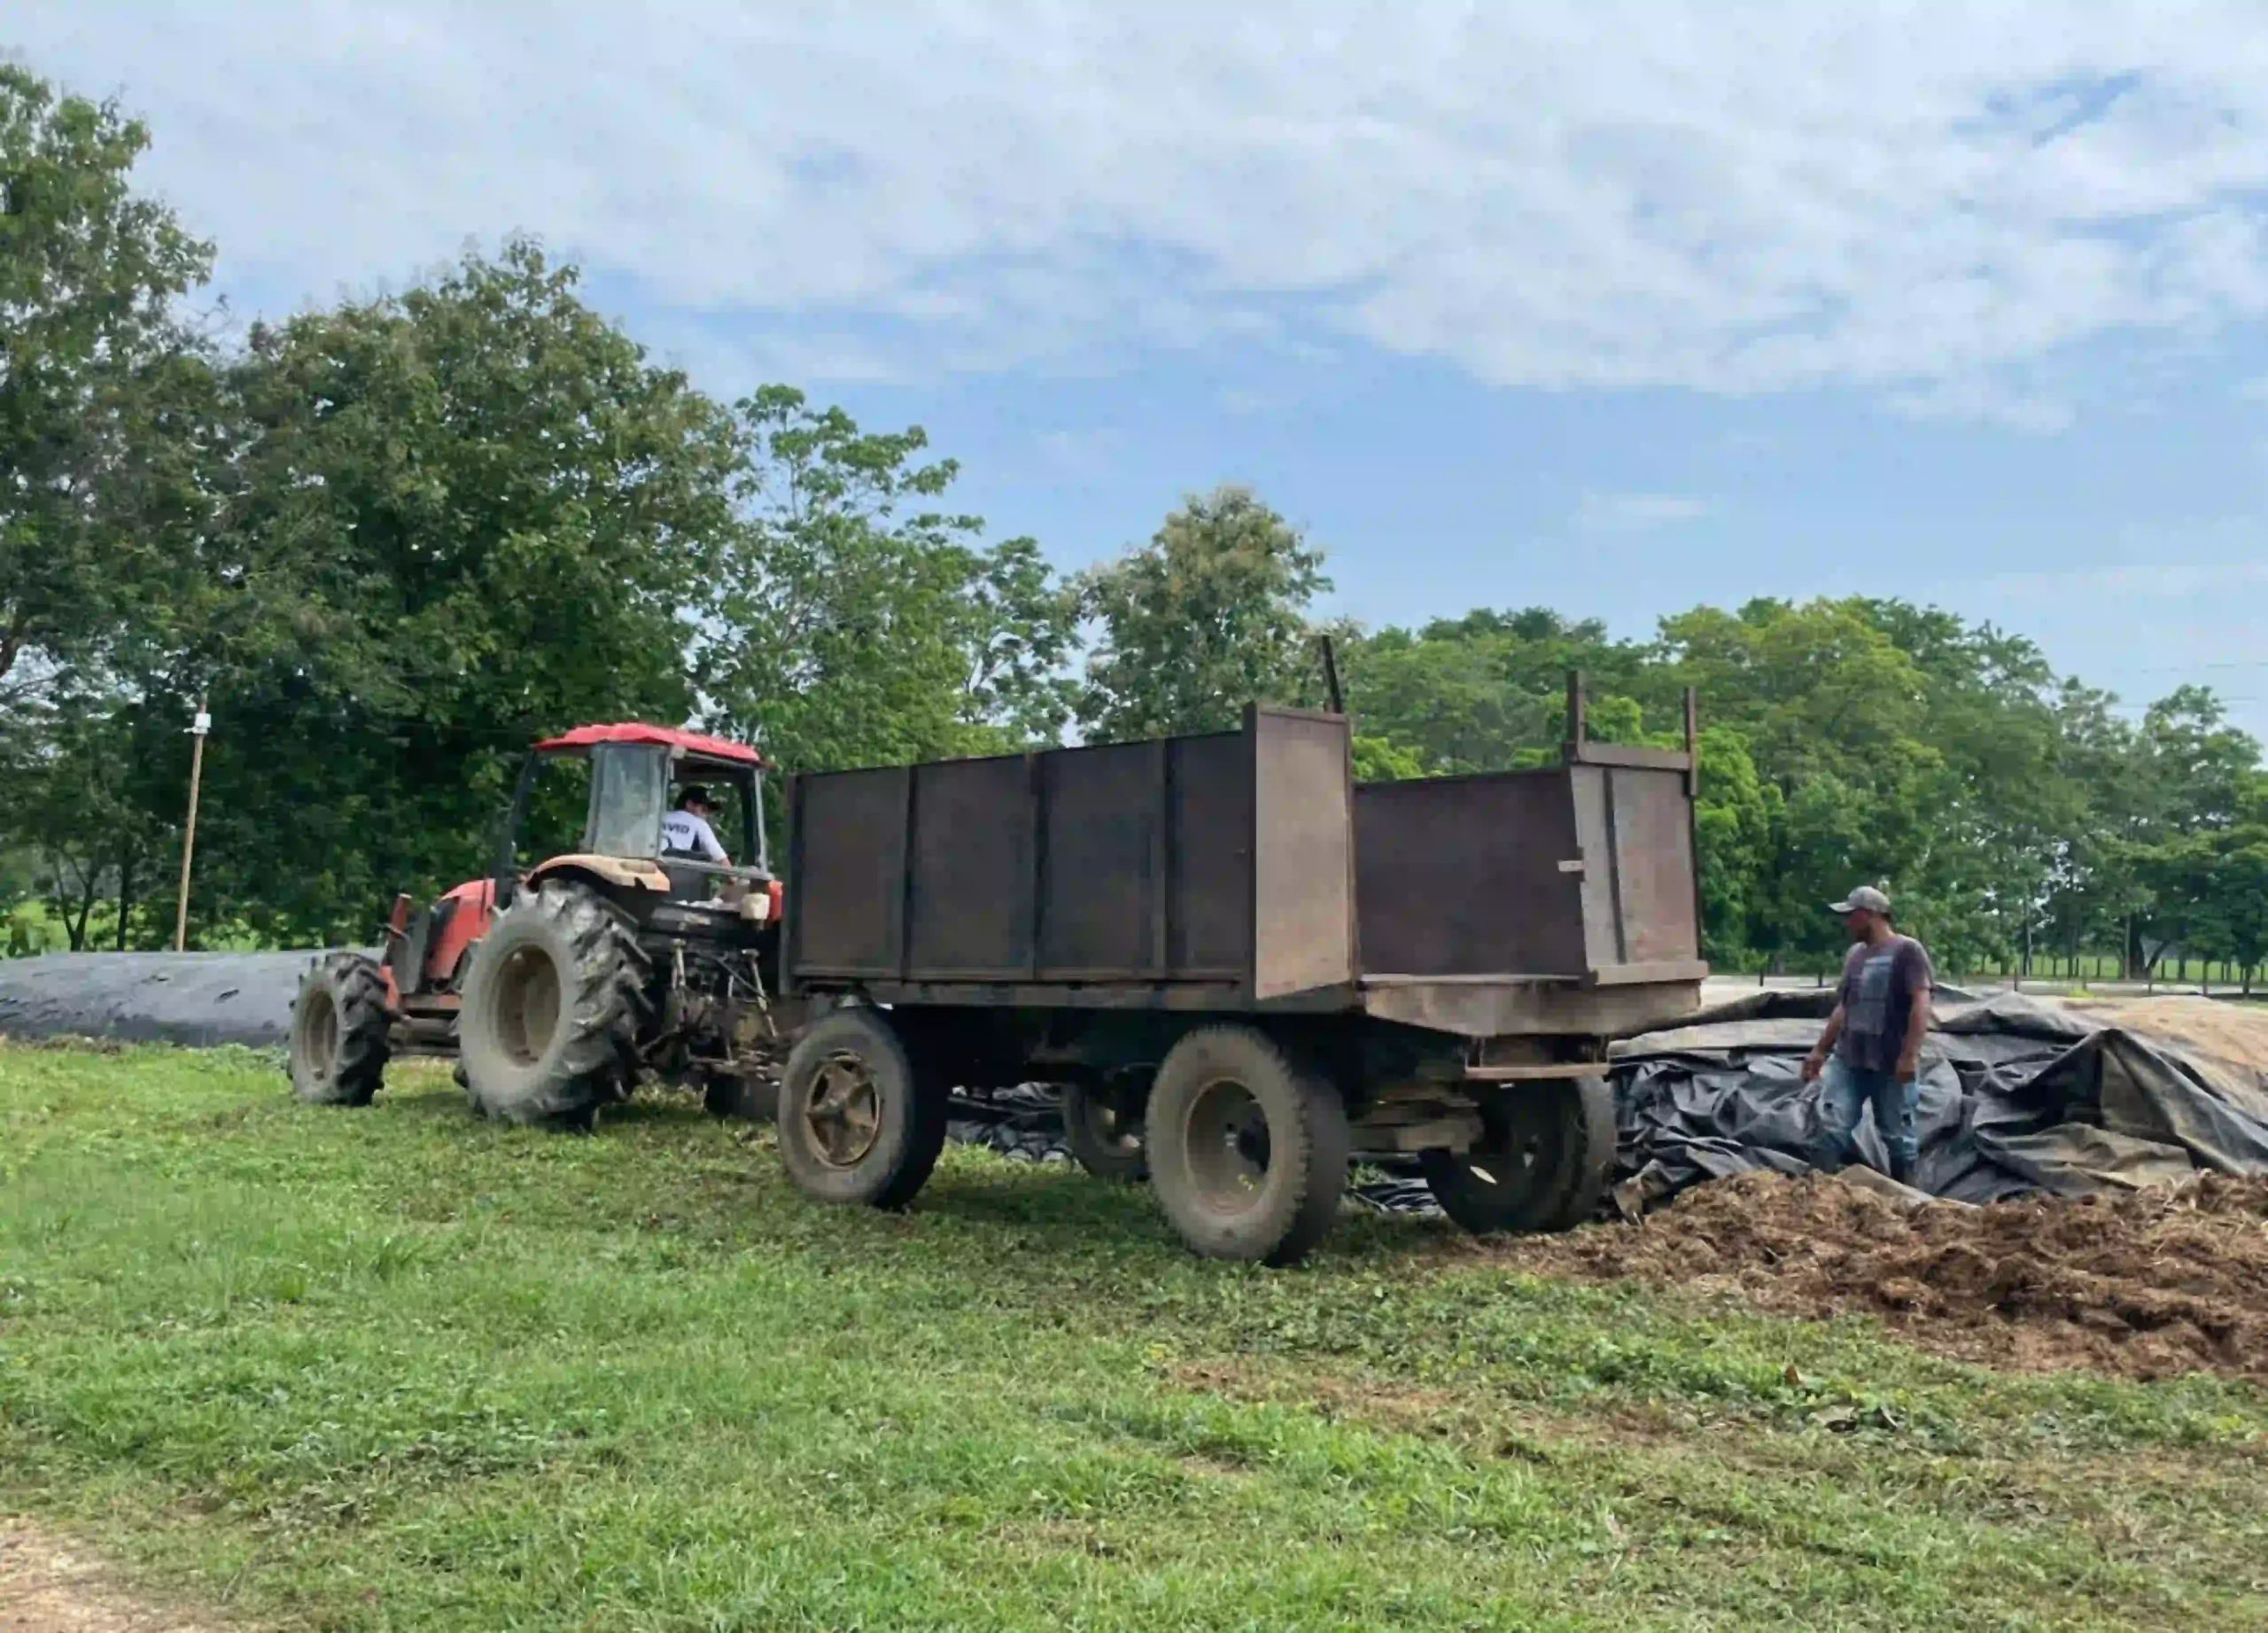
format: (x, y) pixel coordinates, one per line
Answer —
(197, 998)
(2016, 1096)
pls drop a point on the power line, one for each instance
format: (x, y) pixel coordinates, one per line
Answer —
(2145, 708)
(2162, 669)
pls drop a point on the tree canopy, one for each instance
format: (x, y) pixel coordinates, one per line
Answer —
(1211, 614)
(91, 343)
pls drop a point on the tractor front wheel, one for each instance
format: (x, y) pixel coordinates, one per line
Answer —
(553, 1002)
(339, 1032)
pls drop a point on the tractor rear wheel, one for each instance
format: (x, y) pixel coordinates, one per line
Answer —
(553, 1003)
(339, 1032)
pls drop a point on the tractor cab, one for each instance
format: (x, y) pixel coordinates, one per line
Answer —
(635, 776)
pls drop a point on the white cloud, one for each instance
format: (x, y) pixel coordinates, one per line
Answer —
(1637, 512)
(1080, 454)
(2148, 580)
(1933, 202)
(1980, 397)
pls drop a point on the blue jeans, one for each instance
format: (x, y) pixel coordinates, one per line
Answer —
(1845, 1091)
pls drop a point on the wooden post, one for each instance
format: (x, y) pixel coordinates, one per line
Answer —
(1575, 723)
(1331, 677)
(199, 729)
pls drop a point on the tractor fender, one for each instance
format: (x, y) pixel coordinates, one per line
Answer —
(622, 874)
(459, 919)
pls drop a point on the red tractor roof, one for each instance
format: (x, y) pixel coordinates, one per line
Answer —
(692, 743)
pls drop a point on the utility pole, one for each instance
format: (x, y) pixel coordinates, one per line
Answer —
(199, 728)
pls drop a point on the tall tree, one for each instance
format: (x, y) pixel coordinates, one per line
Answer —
(2189, 779)
(1833, 713)
(89, 273)
(458, 518)
(1736, 820)
(90, 806)
(1210, 615)
(855, 621)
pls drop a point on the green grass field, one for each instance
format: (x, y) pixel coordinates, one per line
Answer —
(395, 1369)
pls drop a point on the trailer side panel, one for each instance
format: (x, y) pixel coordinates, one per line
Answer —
(848, 850)
(1469, 875)
(972, 907)
(1304, 854)
(1209, 848)
(1098, 815)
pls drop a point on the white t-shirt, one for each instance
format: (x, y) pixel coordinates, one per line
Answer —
(691, 834)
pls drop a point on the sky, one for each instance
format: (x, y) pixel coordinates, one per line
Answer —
(1613, 308)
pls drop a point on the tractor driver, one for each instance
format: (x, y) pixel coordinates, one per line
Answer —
(686, 830)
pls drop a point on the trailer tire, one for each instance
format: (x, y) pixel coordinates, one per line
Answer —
(1588, 1168)
(1103, 1135)
(1249, 1150)
(860, 1120)
(552, 1001)
(341, 1035)
(1548, 1154)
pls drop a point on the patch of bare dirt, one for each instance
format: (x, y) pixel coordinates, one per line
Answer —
(50, 1586)
(2146, 1284)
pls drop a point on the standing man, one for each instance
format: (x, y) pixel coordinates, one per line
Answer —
(1874, 1037)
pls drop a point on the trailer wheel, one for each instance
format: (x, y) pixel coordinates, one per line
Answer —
(1248, 1150)
(340, 1040)
(1105, 1134)
(859, 1122)
(1547, 1157)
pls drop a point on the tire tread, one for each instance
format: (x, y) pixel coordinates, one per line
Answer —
(365, 1031)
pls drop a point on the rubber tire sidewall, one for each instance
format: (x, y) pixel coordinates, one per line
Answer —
(1587, 1111)
(1308, 1137)
(514, 1091)
(1578, 1137)
(355, 989)
(913, 1126)
(1089, 1149)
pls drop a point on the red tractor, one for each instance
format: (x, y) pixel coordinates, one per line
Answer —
(560, 986)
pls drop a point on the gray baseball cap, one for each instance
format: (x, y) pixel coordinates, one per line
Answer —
(1866, 898)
